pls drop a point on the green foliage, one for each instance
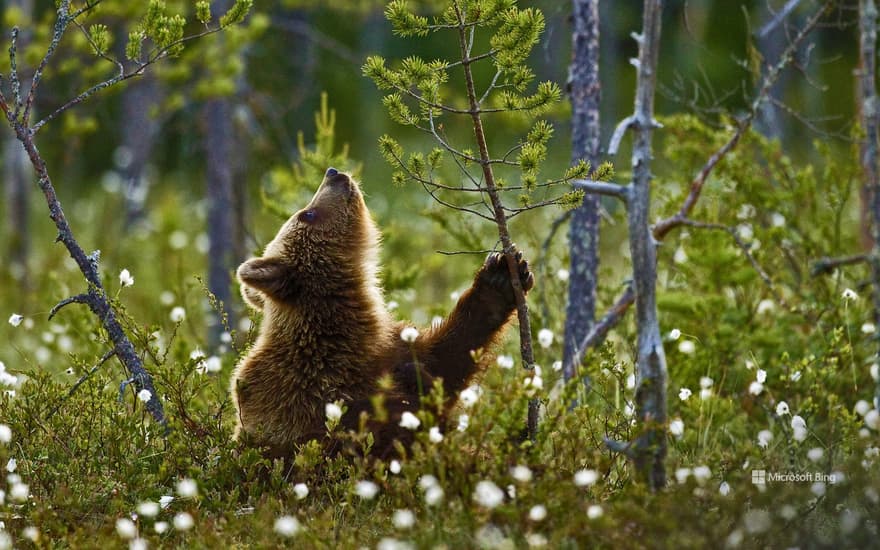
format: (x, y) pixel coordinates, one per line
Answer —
(236, 13)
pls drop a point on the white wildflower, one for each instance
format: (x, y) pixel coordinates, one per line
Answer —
(536, 540)
(31, 533)
(427, 481)
(11, 465)
(145, 395)
(177, 315)
(287, 526)
(409, 421)
(594, 511)
(148, 508)
(745, 212)
(782, 408)
(682, 474)
(849, 294)
(463, 422)
(705, 393)
(15, 319)
(797, 421)
(333, 412)
(676, 427)
(434, 435)
(875, 372)
(765, 306)
(724, 489)
(165, 501)
(702, 473)
(213, 364)
(301, 490)
(745, 231)
(521, 473)
(586, 477)
(403, 519)
(537, 512)
(757, 521)
(868, 328)
(433, 495)
(815, 454)
(19, 492)
(777, 219)
(470, 395)
(394, 467)
(505, 361)
(862, 407)
(818, 488)
(684, 394)
(187, 488)
(487, 494)
(562, 274)
(366, 489)
(872, 419)
(545, 337)
(764, 438)
(126, 528)
(755, 388)
(125, 278)
(392, 305)
(761, 376)
(674, 334)
(680, 255)
(160, 527)
(631, 381)
(5, 433)
(556, 366)
(409, 334)
(795, 376)
(706, 382)
(687, 347)
(183, 521)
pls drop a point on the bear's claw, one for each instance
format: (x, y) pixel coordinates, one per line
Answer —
(495, 271)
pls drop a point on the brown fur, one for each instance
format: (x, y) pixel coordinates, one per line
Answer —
(326, 334)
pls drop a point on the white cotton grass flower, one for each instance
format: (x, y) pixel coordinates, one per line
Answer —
(148, 508)
(755, 388)
(19, 492)
(705, 393)
(766, 306)
(403, 518)
(538, 512)
(764, 438)
(287, 526)
(409, 421)
(875, 372)
(505, 361)
(463, 422)
(680, 256)
(795, 376)
(761, 376)
(145, 395)
(521, 473)
(160, 527)
(586, 477)
(5, 434)
(777, 219)
(126, 528)
(470, 395)
(563, 274)
(594, 511)
(31, 533)
(724, 489)
(676, 427)
(818, 488)
(545, 337)
(394, 467)
(745, 212)
(183, 521)
(333, 412)
(434, 435)
(177, 315)
(15, 319)
(684, 394)
(165, 501)
(631, 381)
(815, 454)
(138, 544)
(366, 489)
(301, 490)
(862, 407)
(434, 495)
(745, 231)
(799, 428)
(213, 364)
(872, 419)
(782, 408)
(409, 334)
(556, 366)
(427, 481)
(392, 305)
(849, 294)
(125, 278)
(11, 465)
(682, 475)
(187, 488)
(868, 328)
(487, 494)
(702, 473)
(674, 334)
(687, 347)
(706, 382)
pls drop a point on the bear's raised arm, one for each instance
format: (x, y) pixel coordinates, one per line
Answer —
(476, 322)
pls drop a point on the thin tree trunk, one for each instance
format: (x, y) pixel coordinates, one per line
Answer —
(869, 154)
(583, 235)
(17, 180)
(139, 132)
(648, 451)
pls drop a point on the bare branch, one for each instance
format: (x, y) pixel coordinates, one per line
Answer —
(600, 329)
(78, 299)
(110, 353)
(619, 131)
(771, 25)
(603, 188)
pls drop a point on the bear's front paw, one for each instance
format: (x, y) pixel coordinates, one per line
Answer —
(496, 273)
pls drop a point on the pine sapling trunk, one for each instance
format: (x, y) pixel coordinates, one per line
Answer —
(522, 308)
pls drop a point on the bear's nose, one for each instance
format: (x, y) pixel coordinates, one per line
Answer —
(331, 172)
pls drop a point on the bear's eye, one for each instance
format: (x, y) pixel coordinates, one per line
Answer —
(308, 216)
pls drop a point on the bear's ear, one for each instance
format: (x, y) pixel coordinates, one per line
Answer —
(265, 274)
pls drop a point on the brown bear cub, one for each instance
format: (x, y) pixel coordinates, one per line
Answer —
(327, 336)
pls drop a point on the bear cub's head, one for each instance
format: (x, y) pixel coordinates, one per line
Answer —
(333, 234)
